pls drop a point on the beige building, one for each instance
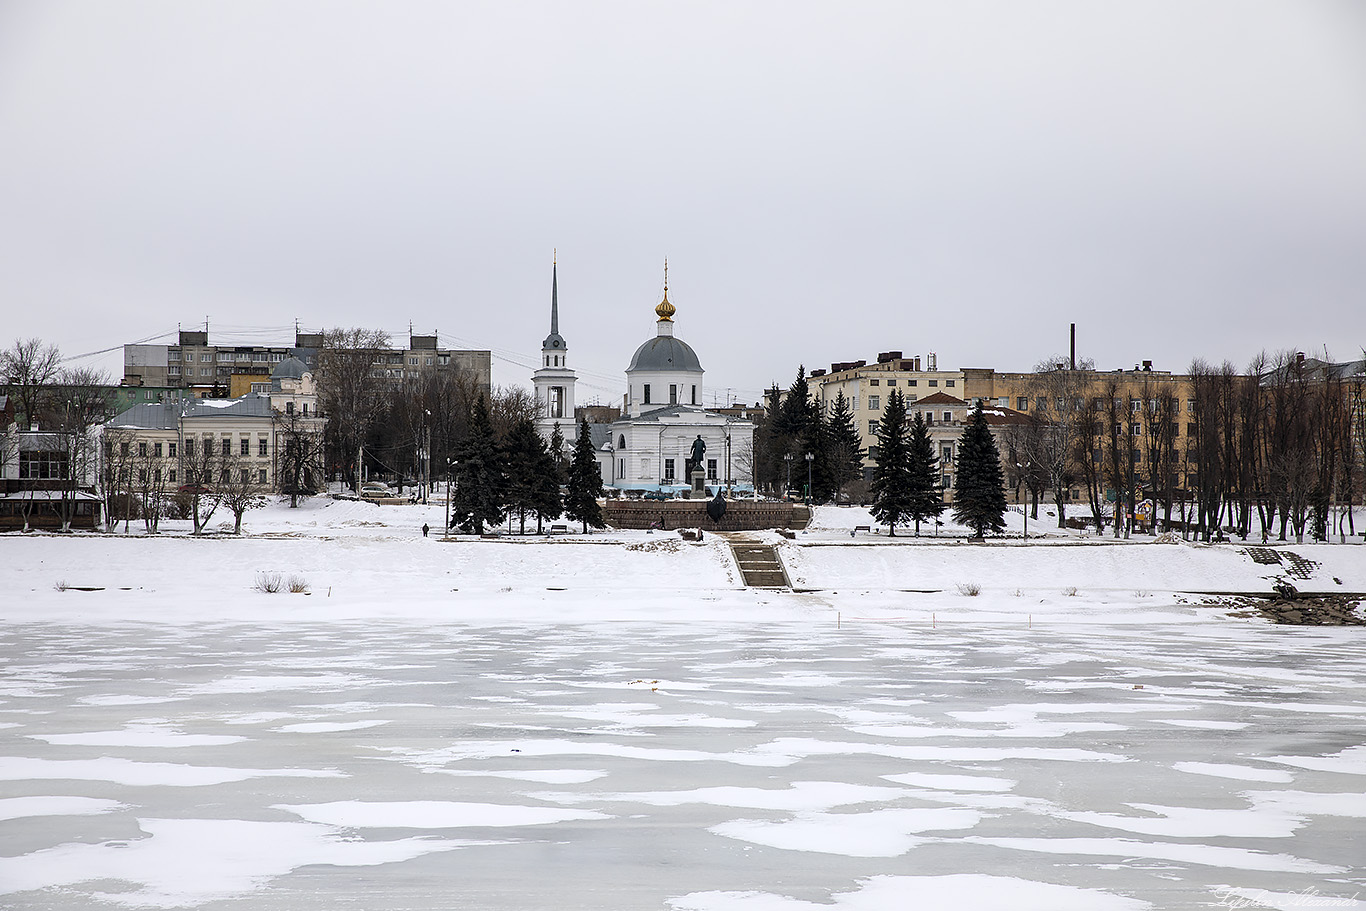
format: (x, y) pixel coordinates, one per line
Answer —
(866, 388)
(241, 435)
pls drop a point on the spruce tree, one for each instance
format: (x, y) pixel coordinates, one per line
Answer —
(891, 487)
(845, 446)
(525, 463)
(557, 447)
(927, 494)
(585, 483)
(979, 496)
(546, 496)
(480, 483)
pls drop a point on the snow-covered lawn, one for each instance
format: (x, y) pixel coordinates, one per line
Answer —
(613, 722)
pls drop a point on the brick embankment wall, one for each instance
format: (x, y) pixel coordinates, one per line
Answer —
(670, 514)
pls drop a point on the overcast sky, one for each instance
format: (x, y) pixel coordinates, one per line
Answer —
(828, 180)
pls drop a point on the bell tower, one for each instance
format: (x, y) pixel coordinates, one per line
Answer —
(553, 380)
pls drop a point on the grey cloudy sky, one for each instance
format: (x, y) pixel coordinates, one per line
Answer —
(828, 180)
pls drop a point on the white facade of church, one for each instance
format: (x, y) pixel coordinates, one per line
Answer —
(649, 446)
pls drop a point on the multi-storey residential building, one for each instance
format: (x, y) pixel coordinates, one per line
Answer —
(867, 386)
(234, 370)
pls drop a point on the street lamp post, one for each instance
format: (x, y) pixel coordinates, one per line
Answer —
(1024, 470)
(810, 460)
(788, 459)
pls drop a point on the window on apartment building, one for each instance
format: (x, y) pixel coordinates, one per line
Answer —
(946, 452)
(170, 450)
(873, 453)
(853, 403)
(208, 446)
(873, 426)
(1135, 429)
(412, 362)
(205, 357)
(874, 403)
(646, 400)
(170, 475)
(156, 450)
(949, 382)
(173, 354)
(1003, 401)
(262, 477)
(244, 476)
(673, 393)
(934, 383)
(261, 447)
(874, 382)
(1190, 404)
(711, 469)
(912, 397)
(1190, 430)
(948, 417)
(245, 446)
(173, 370)
(910, 382)
(891, 381)
(189, 448)
(1135, 405)
(428, 363)
(142, 450)
(946, 483)
(142, 476)
(289, 407)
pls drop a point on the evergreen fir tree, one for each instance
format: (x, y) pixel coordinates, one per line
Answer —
(480, 484)
(927, 494)
(979, 496)
(891, 487)
(817, 441)
(585, 483)
(525, 463)
(546, 496)
(557, 447)
(845, 446)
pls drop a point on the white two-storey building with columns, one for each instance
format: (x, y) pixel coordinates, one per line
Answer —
(663, 418)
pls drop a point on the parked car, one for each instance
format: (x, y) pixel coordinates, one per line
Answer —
(375, 490)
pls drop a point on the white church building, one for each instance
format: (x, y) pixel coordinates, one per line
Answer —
(662, 415)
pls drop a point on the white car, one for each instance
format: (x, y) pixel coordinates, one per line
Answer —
(374, 490)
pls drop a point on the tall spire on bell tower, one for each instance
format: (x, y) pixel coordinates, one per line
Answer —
(554, 343)
(553, 382)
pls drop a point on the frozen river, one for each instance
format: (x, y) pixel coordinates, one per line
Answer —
(716, 767)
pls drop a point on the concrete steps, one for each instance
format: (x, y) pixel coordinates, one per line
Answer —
(759, 565)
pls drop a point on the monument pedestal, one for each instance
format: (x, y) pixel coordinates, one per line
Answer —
(699, 483)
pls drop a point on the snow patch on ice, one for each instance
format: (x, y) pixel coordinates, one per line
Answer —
(139, 736)
(431, 814)
(961, 892)
(879, 833)
(129, 772)
(952, 782)
(1226, 770)
(328, 727)
(22, 807)
(188, 862)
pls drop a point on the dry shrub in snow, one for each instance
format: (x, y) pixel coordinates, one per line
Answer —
(270, 583)
(969, 589)
(298, 585)
(1070, 591)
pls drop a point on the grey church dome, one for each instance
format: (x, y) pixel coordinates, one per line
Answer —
(664, 352)
(291, 368)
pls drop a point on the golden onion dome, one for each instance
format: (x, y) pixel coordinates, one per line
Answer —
(666, 310)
